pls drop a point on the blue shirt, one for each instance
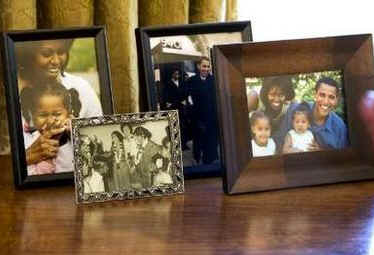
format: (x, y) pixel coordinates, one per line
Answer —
(333, 134)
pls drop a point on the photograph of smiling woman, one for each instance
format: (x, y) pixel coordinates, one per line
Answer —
(42, 63)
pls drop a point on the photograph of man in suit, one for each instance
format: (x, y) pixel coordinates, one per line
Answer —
(202, 91)
(146, 149)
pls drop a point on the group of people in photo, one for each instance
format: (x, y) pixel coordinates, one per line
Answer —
(49, 98)
(279, 124)
(134, 161)
(194, 98)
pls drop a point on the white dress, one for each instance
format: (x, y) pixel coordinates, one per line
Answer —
(162, 178)
(268, 150)
(93, 183)
(301, 141)
(63, 160)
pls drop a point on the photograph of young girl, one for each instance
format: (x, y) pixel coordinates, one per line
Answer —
(57, 80)
(297, 113)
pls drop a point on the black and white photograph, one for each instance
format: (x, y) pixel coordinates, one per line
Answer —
(297, 113)
(57, 79)
(119, 155)
(178, 76)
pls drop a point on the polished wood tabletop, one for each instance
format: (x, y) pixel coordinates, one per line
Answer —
(330, 219)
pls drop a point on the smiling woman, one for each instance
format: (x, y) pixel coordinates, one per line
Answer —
(40, 64)
(45, 91)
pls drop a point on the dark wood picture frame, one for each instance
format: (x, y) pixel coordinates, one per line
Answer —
(9, 39)
(148, 97)
(243, 173)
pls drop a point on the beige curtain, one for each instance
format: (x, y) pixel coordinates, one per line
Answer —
(120, 17)
(206, 11)
(65, 13)
(14, 15)
(231, 10)
(163, 12)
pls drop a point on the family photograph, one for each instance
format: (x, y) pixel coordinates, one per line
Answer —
(297, 113)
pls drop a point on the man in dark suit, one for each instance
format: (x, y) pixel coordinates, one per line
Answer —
(175, 98)
(146, 150)
(202, 91)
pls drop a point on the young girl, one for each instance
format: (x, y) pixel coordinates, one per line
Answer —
(300, 138)
(161, 175)
(46, 107)
(262, 143)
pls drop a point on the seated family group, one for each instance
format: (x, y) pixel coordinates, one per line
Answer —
(281, 125)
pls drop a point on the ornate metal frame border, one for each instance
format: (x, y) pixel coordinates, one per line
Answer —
(135, 118)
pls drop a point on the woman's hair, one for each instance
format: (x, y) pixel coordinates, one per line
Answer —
(25, 55)
(30, 98)
(283, 82)
(127, 125)
(303, 108)
(118, 134)
(142, 131)
(86, 139)
(256, 115)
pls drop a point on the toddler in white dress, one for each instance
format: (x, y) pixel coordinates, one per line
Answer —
(262, 143)
(300, 138)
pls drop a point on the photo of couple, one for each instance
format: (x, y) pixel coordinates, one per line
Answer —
(297, 113)
(57, 81)
(125, 157)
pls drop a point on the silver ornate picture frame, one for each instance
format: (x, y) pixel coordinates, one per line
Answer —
(127, 156)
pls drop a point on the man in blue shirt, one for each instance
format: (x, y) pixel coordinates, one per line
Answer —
(328, 128)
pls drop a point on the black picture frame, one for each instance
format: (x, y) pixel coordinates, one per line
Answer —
(353, 54)
(9, 39)
(148, 98)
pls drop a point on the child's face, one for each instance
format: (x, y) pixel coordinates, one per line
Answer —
(261, 130)
(50, 110)
(300, 122)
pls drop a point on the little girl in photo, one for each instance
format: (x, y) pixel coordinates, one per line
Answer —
(300, 138)
(262, 143)
(160, 175)
(50, 106)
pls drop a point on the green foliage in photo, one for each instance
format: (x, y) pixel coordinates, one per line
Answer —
(82, 57)
(304, 86)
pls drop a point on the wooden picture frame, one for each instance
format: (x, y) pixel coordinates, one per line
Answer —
(161, 49)
(49, 56)
(113, 162)
(244, 173)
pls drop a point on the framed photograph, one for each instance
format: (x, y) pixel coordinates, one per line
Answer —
(52, 76)
(295, 112)
(175, 69)
(127, 156)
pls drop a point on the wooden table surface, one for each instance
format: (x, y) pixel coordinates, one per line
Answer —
(331, 219)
